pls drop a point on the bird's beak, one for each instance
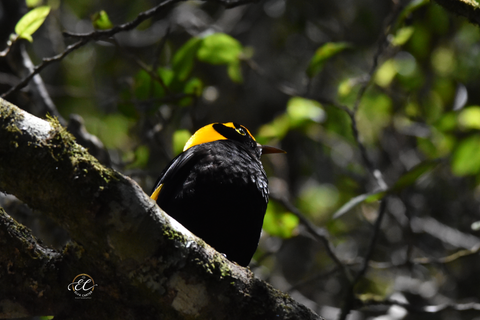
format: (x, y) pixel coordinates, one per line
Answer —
(269, 149)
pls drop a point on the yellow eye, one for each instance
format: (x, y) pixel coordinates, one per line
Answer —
(241, 131)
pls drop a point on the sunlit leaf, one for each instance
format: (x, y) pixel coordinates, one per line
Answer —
(219, 48)
(167, 75)
(345, 87)
(184, 58)
(180, 137)
(469, 118)
(277, 128)
(31, 21)
(101, 21)
(322, 54)
(402, 35)
(300, 109)
(33, 3)
(386, 73)
(278, 222)
(466, 157)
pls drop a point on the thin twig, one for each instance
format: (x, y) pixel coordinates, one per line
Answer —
(142, 65)
(382, 44)
(105, 34)
(427, 261)
(84, 39)
(350, 295)
(39, 91)
(425, 309)
(45, 63)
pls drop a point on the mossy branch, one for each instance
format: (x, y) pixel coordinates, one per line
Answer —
(146, 265)
(470, 9)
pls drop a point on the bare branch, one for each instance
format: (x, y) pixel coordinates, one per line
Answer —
(46, 62)
(314, 231)
(350, 295)
(421, 309)
(105, 34)
(84, 39)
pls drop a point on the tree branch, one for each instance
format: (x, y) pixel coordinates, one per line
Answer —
(146, 265)
(466, 8)
(21, 254)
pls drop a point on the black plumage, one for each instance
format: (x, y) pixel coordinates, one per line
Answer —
(219, 191)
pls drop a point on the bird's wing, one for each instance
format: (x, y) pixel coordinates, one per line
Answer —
(180, 165)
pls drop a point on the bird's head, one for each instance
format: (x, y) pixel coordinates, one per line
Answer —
(229, 131)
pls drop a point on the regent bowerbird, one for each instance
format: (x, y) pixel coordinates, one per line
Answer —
(217, 188)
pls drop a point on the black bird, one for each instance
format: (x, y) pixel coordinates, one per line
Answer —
(217, 189)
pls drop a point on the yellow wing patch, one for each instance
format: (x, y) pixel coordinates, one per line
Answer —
(155, 193)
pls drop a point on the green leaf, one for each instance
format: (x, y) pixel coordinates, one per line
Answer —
(193, 86)
(182, 62)
(410, 177)
(180, 137)
(277, 128)
(145, 87)
(469, 118)
(101, 21)
(405, 180)
(33, 3)
(385, 73)
(466, 157)
(142, 85)
(322, 54)
(278, 222)
(402, 35)
(31, 21)
(141, 155)
(219, 48)
(300, 110)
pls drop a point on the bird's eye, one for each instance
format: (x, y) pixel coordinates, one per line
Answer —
(241, 131)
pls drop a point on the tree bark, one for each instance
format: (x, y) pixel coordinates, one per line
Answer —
(468, 8)
(145, 264)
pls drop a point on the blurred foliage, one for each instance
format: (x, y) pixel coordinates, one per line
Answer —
(30, 22)
(292, 71)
